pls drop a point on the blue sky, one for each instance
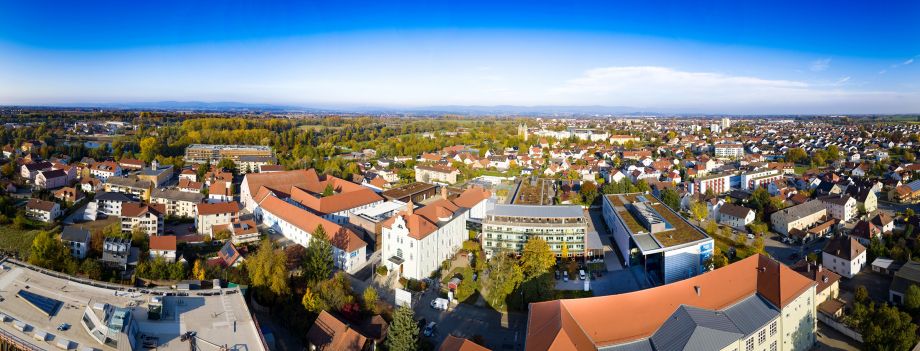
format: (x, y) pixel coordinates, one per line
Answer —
(721, 56)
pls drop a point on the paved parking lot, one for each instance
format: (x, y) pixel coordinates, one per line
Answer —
(499, 331)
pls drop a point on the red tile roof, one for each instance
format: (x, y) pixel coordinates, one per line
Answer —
(453, 343)
(340, 237)
(583, 324)
(163, 242)
(205, 209)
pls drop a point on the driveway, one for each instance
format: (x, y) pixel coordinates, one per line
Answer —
(832, 340)
(876, 284)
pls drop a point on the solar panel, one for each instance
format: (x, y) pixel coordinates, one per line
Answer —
(45, 304)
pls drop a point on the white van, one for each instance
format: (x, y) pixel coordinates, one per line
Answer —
(581, 274)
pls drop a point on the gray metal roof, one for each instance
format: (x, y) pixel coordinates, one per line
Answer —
(691, 328)
(562, 211)
(640, 345)
(751, 314)
(113, 196)
(73, 233)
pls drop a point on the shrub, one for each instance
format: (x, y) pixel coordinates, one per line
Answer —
(382, 270)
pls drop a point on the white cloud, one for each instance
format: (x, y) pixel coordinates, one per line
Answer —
(909, 61)
(820, 65)
(663, 87)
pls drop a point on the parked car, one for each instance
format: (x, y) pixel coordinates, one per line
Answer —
(581, 274)
(565, 276)
(63, 327)
(430, 329)
(439, 304)
(750, 236)
(558, 276)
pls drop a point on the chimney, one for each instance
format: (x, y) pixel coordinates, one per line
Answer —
(444, 192)
(698, 290)
(410, 207)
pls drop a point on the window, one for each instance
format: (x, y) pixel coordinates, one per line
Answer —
(773, 346)
(762, 336)
(773, 328)
(750, 344)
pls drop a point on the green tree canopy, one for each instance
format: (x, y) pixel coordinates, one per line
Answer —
(537, 258)
(318, 261)
(403, 332)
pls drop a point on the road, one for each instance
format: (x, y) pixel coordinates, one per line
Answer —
(500, 331)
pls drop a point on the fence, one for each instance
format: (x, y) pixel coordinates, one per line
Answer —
(832, 322)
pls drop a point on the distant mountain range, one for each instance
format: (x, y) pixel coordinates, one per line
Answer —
(497, 110)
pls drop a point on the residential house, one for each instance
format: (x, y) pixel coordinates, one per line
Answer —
(148, 218)
(91, 185)
(735, 216)
(844, 255)
(908, 275)
(229, 255)
(77, 240)
(163, 246)
(453, 343)
(883, 221)
(69, 195)
(415, 242)
(189, 186)
(104, 170)
(329, 333)
(116, 253)
(215, 214)
(828, 282)
(50, 179)
(111, 203)
(436, 173)
(41, 210)
(865, 231)
(28, 171)
(842, 207)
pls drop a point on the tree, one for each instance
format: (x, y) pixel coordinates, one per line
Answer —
(758, 244)
(888, 329)
(699, 210)
(537, 258)
(403, 332)
(198, 271)
(150, 148)
(565, 250)
(318, 259)
(796, 155)
(504, 276)
(227, 164)
(912, 298)
(92, 269)
(861, 295)
(909, 212)
(329, 190)
(370, 299)
(588, 192)
(47, 251)
(267, 271)
(669, 197)
(335, 293)
(311, 302)
(758, 228)
(718, 259)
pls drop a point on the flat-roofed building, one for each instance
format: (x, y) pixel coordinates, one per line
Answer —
(204, 153)
(650, 234)
(726, 150)
(509, 227)
(753, 304)
(717, 183)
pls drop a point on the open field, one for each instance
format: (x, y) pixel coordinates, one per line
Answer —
(17, 240)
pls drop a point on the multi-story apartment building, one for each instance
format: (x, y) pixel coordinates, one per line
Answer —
(178, 203)
(753, 304)
(209, 215)
(110, 203)
(842, 207)
(129, 185)
(203, 153)
(718, 183)
(801, 217)
(41, 210)
(727, 150)
(653, 236)
(755, 179)
(509, 227)
(104, 170)
(147, 218)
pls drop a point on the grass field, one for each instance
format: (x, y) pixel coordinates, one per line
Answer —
(16, 240)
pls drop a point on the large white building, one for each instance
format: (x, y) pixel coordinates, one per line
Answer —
(751, 305)
(844, 255)
(727, 150)
(509, 227)
(650, 234)
(842, 207)
(416, 241)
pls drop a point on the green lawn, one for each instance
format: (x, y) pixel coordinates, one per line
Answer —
(17, 240)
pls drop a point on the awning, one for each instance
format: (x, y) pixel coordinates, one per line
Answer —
(396, 260)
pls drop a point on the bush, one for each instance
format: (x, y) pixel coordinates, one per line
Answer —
(382, 270)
